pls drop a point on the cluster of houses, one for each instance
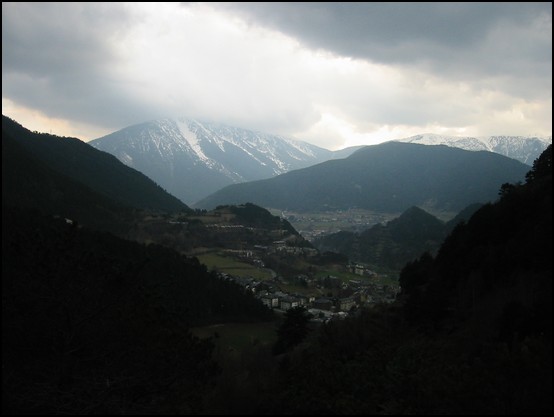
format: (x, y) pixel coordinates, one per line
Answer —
(278, 246)
(360, 269)
(352, 295)
(346, 297)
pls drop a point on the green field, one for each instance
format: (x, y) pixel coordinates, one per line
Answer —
(223, 263)
(344, 276)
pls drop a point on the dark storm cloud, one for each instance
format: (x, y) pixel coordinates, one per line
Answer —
(462, 39)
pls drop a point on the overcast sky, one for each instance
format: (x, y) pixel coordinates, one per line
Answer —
(332, 74)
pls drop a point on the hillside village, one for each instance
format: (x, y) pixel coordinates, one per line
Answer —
(324, 297)
(294, 274)
(350, 296)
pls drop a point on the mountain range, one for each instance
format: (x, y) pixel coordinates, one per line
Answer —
(193, 159)
(388, 178)
(523, 148)
(64, 177)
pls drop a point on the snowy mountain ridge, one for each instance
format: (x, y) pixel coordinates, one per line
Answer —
(523, 148)
(191, 159)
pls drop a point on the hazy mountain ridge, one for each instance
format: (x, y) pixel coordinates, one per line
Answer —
(523, 148)
(193, 159)
(389, 177)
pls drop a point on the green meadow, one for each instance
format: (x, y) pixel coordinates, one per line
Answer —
(219, 262)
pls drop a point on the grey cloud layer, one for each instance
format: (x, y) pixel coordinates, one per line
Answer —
(114, 64)
(60, 57)
(466, 39)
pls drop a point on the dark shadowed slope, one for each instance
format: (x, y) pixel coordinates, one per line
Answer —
(389, 177)
(98, 170)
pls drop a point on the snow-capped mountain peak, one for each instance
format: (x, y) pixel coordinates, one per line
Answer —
(192, 159)
(523, 148)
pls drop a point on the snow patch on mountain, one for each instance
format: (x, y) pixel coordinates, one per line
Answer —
(126, 159)
(192, 159)
(190, 137)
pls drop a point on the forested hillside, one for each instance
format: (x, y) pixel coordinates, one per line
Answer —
(395, 243)
(99, 171)
(28, 183)
(93, 324)
(472, 333)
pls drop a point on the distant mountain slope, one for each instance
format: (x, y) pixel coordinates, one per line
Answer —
(523, 148)
(99, 171)
(389, 177)
(192, 159)
(397, 242)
